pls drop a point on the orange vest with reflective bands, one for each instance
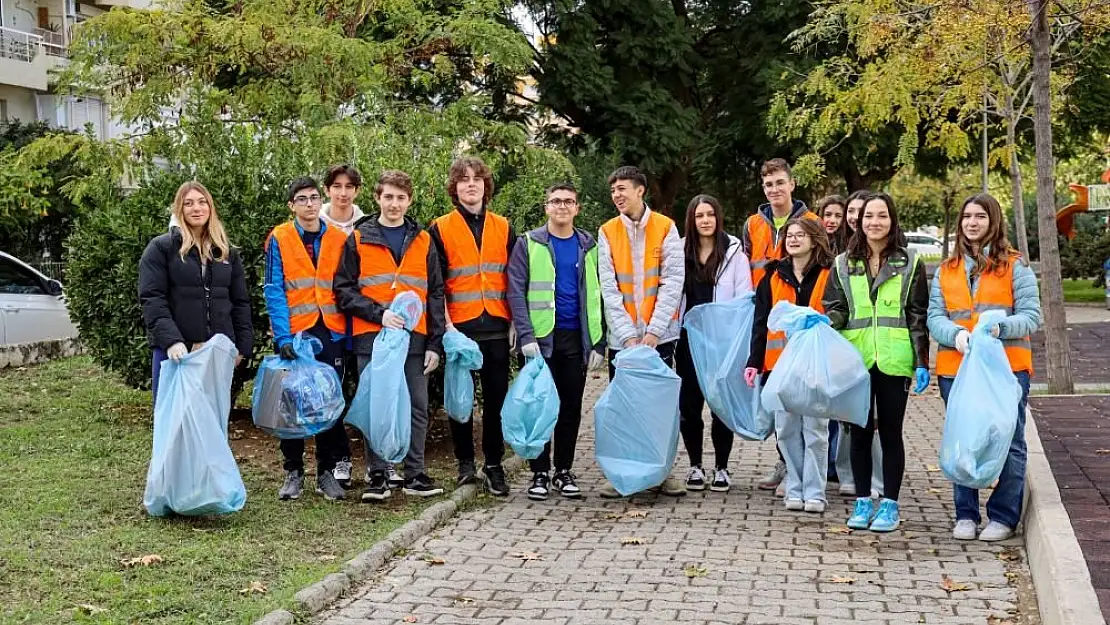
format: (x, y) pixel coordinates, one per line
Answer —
(995, 291)
(381, 279)
(476, 278)
(781, 291)
(308, 288)
(765, 244)
(620, 247)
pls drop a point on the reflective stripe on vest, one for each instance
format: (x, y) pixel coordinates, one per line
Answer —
(541, 292)
(620, 248)
(308, 287)
(475, 278)
(994, 291)
(765, 244)
(381, 278)
(781, 291)
(879, 330)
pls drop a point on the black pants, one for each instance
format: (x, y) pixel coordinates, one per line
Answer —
(665, 350)
(690, 405)
(494, 377)
(889, 394)
(568, 368)
(331, 444)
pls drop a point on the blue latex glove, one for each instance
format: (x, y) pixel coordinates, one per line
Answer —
(814, 320)
(921, 377)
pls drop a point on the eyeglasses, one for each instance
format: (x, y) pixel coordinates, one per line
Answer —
(305, 200)
(776, 184)
(557, 203)
(797, 236)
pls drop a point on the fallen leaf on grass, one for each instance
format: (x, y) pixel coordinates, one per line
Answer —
(147, 560)
(89, 609)
(932, 468)
(951, 585)
(840, 579)
(255, 587)
(327, 557)
(632, 540)
(1008, 556)
(694, 570)
(841, 529)
(409, 619)
(528, 556)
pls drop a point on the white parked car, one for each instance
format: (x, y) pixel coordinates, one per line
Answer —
(32, 306)
(925, 244)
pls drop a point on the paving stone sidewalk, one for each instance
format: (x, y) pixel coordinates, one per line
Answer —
(738, 558)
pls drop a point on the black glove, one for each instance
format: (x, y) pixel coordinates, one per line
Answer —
(287, 352)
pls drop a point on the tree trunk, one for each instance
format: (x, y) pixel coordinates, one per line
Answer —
(1020, 229)
(1052, 287)
(947, 222)
(664, 189)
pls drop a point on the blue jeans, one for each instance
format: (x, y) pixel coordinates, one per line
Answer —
(1004, 505)
(804, 444)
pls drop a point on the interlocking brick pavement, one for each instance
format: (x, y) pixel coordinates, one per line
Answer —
(708, 558)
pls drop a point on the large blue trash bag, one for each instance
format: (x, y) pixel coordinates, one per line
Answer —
(982, 411)
(819, 374)
(297, 398)
(192, 470)
(531, 409)
(463, 356)
(381, 407)
(636, 421)
(720, 337)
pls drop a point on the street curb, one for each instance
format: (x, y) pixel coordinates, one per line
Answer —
(1061, 579)
(315, 598)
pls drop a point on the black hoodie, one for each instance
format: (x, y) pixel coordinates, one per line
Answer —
(764, 302)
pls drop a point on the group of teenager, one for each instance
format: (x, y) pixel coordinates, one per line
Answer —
(559, 293)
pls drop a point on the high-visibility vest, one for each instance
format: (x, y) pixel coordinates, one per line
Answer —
(765, 243)
(620, 247)
(308, 287)
(782, 291)
(476, 279)
(541, 291)
(995, 291)
(381, 279)
(879, 331)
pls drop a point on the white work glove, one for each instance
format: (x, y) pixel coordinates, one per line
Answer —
(176, 351)
(597, 361)
(531, 350)
(996, 330)
(512, 337)
(431, 361)
(391, 319)
(963, 341)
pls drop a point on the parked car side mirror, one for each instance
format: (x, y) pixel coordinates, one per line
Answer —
(53, 287)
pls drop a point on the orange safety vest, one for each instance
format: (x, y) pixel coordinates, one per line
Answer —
(381, 279)
(620, 247)
(765, 243)
(781, 291)
(476, 278)
(994, 292)
(308, 288)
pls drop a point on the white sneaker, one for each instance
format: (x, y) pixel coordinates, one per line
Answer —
(995, 531)
(965, 530)
(847, 489)
(720, 483)
(394, 478)
(794, 504)
(815, 505)
(695, 479)
(342, 473)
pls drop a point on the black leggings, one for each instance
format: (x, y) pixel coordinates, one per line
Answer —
(889, 394)
(690, 405)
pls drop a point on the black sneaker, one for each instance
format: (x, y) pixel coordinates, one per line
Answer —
(422, 486)
(394, 478)
(467, 473)
(377, 488)
(538, 490)
(565, 484)
(495, 481)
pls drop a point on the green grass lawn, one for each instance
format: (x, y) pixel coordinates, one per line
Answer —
(74, 449)
(1081, 291)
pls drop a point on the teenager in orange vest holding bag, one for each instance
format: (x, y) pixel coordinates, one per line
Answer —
(799, 278)
(986, 273)
(301, 258)
(762, 238)
(641, 268)
(474, 246)
(385, 255)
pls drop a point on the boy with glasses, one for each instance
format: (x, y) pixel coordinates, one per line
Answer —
(301, 259)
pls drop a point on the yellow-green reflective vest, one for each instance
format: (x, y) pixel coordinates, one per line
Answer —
(541, 291)
(879, 330)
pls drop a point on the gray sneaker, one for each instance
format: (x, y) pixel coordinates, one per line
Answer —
(291, 489)
(774, 478)
(327, 486)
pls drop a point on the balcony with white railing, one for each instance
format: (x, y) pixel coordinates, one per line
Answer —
(23, 61)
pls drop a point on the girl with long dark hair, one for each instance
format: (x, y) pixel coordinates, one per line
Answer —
(831, 210)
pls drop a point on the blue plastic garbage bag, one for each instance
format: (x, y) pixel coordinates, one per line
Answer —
(531, 409)
(720, 336)
(982, 411)
(463, 356)
(297, 398)
(192, 470)
(636, 421)
(381, 407)
(819, 374)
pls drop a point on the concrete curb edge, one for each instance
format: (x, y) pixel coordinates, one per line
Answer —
(1065, 594)
(317, 597)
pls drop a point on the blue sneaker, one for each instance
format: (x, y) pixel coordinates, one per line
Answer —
(861, 516)
(887, 518)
